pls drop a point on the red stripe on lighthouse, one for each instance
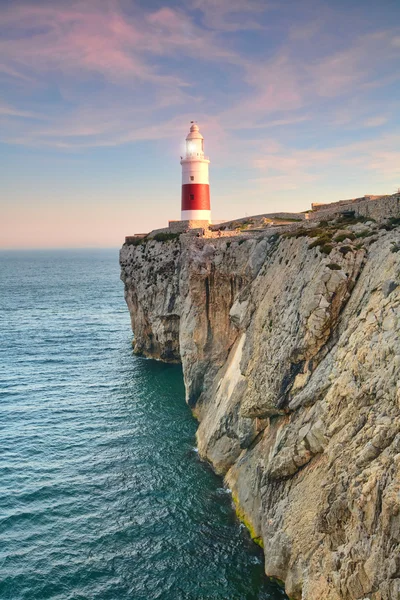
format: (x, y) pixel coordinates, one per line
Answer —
(195, 196)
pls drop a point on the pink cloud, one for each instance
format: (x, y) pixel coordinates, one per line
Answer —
(90, 37)
(365, 61)
(10, 111)
(376, 121)
(290, 84)
(97, 37)
(78, 41)
(173, 32)
(280, 164)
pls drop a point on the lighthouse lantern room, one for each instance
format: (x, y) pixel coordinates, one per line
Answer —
(195, 182)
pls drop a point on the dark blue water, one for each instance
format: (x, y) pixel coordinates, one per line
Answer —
(102, 495)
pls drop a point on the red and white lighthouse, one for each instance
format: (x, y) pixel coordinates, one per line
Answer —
(195, 183)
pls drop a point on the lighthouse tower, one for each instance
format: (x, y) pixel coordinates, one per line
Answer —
(195, 183)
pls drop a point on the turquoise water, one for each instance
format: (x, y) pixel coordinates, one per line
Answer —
(102, 495)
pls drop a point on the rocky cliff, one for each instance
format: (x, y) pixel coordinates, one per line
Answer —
(290, 349)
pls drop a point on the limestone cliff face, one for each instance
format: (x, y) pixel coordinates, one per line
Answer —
(291, 360)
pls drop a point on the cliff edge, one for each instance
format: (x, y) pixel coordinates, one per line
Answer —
(290, 347)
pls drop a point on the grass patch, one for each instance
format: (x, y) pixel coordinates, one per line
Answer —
(137, 241)
(352, 220)
(298, 233)
(318, 232)
(345, 250)
(244, 225)
(363, 234)
(326, 248)
(344, 236)
(165, 237)
(288, 220)
(334, 267)
(391, 224)
(321, 241)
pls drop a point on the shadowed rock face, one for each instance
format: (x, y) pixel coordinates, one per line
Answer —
(291, 360)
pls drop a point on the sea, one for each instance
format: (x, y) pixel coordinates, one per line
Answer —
(102, 492)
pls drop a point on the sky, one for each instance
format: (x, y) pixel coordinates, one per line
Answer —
(298, 102)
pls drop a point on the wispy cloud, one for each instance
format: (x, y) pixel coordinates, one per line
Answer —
(116, 70)
(93, 37)
(232, 15)
(10, 111)
(296, 167)
(376, 121)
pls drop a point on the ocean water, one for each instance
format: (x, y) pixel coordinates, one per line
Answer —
(102, 494)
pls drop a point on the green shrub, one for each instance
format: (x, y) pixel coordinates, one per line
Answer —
(395, 248)
(325, 238)
(321, 241)
(293, 234)
(286, 220)
(340, 237)
(391, 224)
(244, 224)
(316, 232)
(137, 241)
(300, 233)
(326, 248)
(343, 236)
(345, 249)
(352, 220)
(334, 267)
(363, 234)
(165, 237)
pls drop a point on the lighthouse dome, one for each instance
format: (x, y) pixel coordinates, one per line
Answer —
(194, 132)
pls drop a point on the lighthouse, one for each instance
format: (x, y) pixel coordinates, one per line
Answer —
(195, 183)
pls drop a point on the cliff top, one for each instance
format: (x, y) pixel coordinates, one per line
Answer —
(379, 209)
